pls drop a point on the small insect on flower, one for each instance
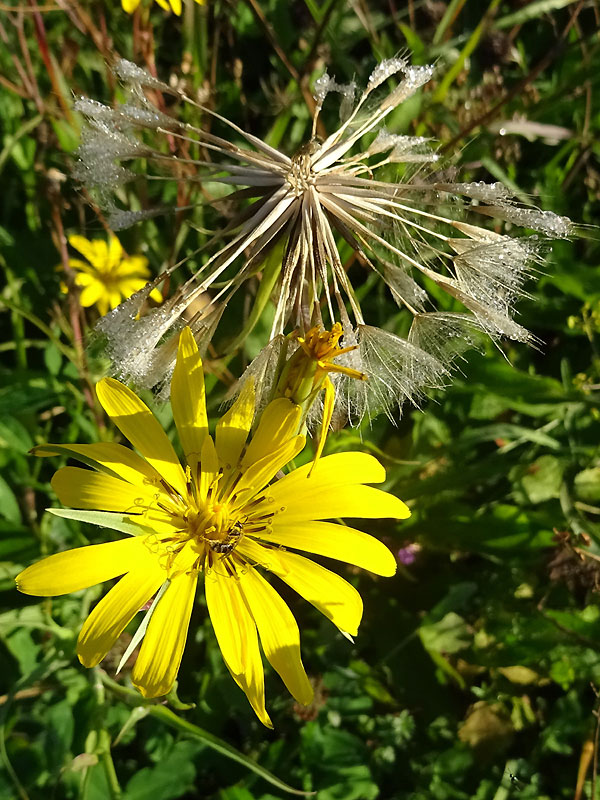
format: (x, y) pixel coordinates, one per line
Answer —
(380, 193)
(221, 517)
(108, 276)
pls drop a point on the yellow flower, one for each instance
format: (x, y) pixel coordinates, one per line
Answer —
(108, 276)
(220, 516)
(169, 5)
(307, 372)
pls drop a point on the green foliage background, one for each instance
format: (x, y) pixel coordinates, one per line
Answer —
(476, 671)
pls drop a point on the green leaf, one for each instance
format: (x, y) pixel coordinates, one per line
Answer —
(170, 778)
(9, 507)
(14, 435)
(587, 485)
(543, 479)
(449, 635)
(270, 275)
(533, 10)
(105, 519)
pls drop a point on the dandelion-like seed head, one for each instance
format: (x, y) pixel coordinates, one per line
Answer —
(381, 193)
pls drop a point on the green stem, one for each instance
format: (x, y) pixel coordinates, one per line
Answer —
(171, 719)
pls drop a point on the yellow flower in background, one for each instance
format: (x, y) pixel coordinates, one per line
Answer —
(169, 5)
(221, 517)
(108, 276)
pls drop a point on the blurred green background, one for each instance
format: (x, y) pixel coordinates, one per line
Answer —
(477, 669)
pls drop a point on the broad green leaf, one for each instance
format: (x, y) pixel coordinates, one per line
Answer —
(587, 485)
(543, 478)
(170, 778)
(9, 507)
(449, 635)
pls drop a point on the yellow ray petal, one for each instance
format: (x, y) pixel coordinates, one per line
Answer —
(334, 597)
(234, 426)
(133, 267)
(115, 251)
(261, 472)
(210, 466)
(88, 271)
(106, 456)
(176, 6)
(84, 246)
(103, 304)
(188, 398)
(333, 470)
(129, 286)
(83, 488)
(80, 568)
(236, 634)
(328, 406)
(279, 634)
(278, 423)
(317, 502)
(114, 298)
(92, 293)
(335, 541)
(116, 610)
(162, 649)
(135, 421)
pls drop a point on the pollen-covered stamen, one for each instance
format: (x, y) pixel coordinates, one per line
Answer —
(322, 348)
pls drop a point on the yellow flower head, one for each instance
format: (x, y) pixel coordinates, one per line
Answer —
(220, 517)
(108, 276)
(169, 5)
(307, 372)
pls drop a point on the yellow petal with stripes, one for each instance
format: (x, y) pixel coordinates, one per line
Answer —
(84, 488)
(108, 457)
(135, 421)
(318, 502)
(188, 398)
(237, 637)
(116, 610)
(80, 568)
(234, 426)
(157, 665)
(278, 631)
(335, 541)
(334, 597)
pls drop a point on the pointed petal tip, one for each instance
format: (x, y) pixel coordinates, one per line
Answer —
(187, 341)
(264, 718)
(307, 696)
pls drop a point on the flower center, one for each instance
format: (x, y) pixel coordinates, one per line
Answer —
(213, 527)
(208, 523)
(300, 176)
